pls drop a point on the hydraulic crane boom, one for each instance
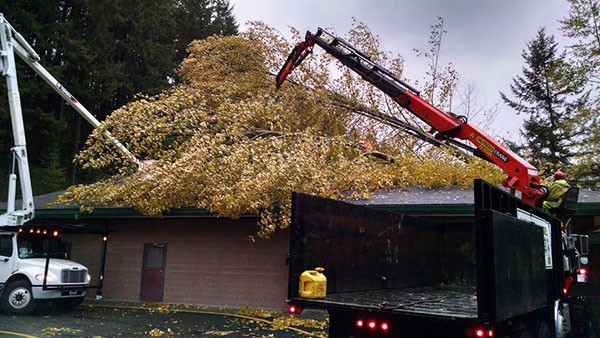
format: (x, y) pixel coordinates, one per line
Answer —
(522, 176)
(11, 43)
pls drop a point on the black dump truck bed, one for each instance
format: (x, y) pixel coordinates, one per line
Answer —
(439, 301)
(489, 266)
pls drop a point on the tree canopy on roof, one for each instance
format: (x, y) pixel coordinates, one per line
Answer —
(226, 141)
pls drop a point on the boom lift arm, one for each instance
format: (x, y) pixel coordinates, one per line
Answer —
(11, 43)
(522, 176)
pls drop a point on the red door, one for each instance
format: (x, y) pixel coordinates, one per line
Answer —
(153, 272)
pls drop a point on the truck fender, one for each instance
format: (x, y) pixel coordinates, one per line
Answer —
(19, 275)
(28, 273)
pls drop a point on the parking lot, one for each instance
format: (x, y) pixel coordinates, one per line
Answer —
(101, 319)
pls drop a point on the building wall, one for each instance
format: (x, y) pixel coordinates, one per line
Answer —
(87, 250)
(209, 261)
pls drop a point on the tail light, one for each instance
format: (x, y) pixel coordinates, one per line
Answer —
(384, 326)
(480, 332)
(582, 274)
(294, 309)
(373, 325)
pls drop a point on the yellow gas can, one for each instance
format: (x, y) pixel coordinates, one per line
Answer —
(313, 284)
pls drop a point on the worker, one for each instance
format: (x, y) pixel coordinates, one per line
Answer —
(556, 191)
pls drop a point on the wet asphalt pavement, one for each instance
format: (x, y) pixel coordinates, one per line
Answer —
(96, 320)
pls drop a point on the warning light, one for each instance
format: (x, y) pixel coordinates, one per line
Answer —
(105, 238)
(384, 326)
(45, 232)
(372, 324)
(20, 229)
(38, 231)
(490, 333)
(55, 233)
(479, 333)
(360, 323)
(582, 271)
(30, 231)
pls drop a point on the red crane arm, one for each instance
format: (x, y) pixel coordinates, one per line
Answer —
(522, 176)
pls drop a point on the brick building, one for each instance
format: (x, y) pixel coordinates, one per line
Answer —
(190, 256)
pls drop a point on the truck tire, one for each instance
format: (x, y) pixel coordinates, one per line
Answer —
(17, 299)
(66, 304)
(581, 325)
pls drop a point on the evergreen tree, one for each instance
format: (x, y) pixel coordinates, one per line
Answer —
(582, 25)
(586, 167)
(38, 102)
(50, 174)
(547, 94)
(104, 53)
(199, 19)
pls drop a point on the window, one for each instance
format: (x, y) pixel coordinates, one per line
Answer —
(6, 246)
(39, 246)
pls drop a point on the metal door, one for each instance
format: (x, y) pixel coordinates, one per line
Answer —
(153, 272)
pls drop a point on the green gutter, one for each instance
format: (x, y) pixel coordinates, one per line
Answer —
(588, 209)
(583, 209)
(75, 213)
(436, 209)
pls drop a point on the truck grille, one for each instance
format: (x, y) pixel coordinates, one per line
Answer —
(73, 276)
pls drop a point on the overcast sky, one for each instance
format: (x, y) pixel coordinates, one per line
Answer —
(484, 38)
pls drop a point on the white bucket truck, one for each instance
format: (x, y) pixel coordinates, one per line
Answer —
(33, 264)
(33, 267)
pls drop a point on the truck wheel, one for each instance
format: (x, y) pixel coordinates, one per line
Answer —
(67, 303)
(17, 299)
(580, 322)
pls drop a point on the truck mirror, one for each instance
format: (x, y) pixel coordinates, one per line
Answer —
(584, 245)
(581, 243)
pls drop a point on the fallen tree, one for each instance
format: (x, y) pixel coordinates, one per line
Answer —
(224, 140)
